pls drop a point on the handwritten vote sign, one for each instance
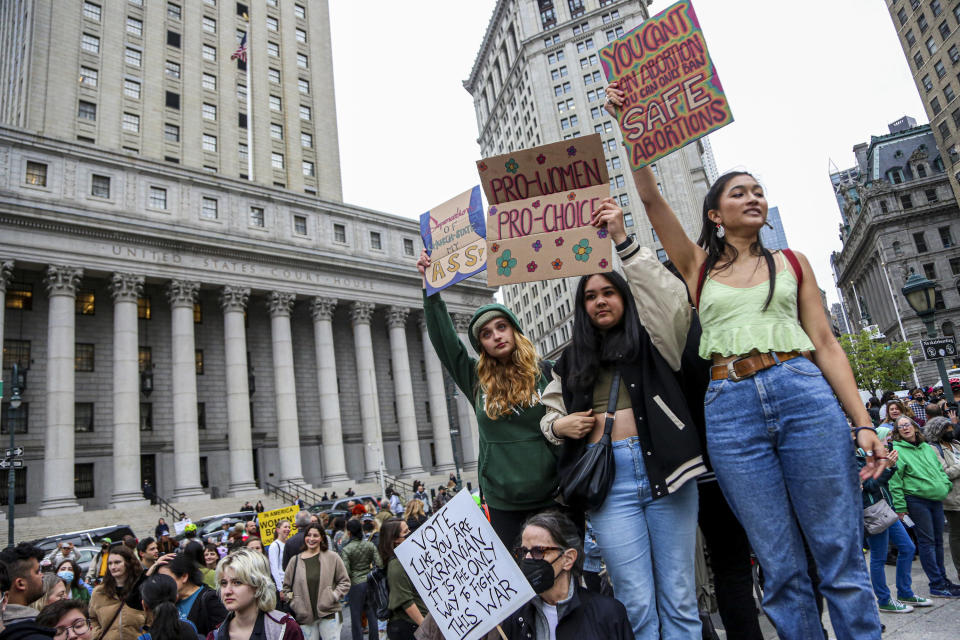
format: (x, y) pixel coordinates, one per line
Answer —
(462, 571)
(672, 92)
(453, 234)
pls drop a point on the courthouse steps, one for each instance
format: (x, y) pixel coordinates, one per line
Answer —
(143, 519)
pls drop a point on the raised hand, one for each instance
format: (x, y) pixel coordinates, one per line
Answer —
(614, 98)
(609, 215)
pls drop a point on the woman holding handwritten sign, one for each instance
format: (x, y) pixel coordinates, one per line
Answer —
(517, 466)
(778, 463)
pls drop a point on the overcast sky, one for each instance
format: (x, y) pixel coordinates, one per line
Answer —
(806, 81)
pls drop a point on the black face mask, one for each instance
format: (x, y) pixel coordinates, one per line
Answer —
(539, 573)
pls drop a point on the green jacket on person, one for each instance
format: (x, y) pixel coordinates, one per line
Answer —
(918, 473)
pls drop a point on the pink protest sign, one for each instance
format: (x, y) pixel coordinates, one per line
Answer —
(672, 92)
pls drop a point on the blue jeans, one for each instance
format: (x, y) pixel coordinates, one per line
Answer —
(927, 515)
(878, 558)
(783, 455)
(648, 546)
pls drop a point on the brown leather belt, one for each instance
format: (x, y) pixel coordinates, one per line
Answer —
(740, 368)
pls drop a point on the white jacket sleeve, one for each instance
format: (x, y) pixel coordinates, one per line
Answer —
(275, 554)
(552, 399)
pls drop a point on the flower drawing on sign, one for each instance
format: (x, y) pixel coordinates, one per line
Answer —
(601, 233)
(482, 166)
(531, 266)
(603, 263)
(558, 242)
(494, 248)
(536, 204)
(511, 166)
(537, 245)
(582, 250)
(541, 159)
(556, 264)
(505, 264)
(572, 195)
(492, 211)
(571, 151)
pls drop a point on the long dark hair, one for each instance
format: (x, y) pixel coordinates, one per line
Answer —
(389, 532)
(132, 567)
(323, 536)
(717, 248)
(75, 583)
(591, 348)
(184, 564)
(159, 593)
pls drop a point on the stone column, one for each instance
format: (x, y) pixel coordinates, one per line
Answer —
(465, 410)
(233, 302)
(403, 391)
(186, 439)
(334, 460)
(280, 304)
(442, 446)
(360, 315)
(6, 276)
(126, 288)
(58, 459)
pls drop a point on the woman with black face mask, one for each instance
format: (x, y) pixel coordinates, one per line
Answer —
(942, 436)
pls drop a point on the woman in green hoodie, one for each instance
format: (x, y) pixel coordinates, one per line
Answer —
(918, 487)
(517, 466)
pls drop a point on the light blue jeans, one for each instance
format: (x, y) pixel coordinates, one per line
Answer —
(878, 558)
(782, 452)
(648, 546)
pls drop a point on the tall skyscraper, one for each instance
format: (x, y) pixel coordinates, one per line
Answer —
(537, 79)
(774, 237)
(930, 36)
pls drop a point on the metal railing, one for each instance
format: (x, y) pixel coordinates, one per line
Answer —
(402, 487)
(279, 492)
(166, 509)
(310, 496)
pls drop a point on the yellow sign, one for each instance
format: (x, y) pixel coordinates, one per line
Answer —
(268, 522)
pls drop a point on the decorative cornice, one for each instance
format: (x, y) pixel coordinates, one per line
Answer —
(182, 293)
(234, 298)
(6, 274)
(322, 309)
(280, 303)
(462, 322)
(63, 280)
(126, 287)
(397, 317)
(361, 312)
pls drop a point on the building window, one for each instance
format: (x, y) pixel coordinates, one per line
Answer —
(209, 142)
(375, 241)
(83, 417)
(305, 112)
(83, 480)
(144, 311)
(171, 132)
(306, 140)
(885, 209)
(276, 131)
(273, 49)
(173, 39)
(17, 352)
(408, 247)
(340, 233)
(919, 240)
(576, 8)
(911, 39)
(948, 93)
(91, 11)
(19, 478)
(276, 160)
(936, 8)
(935, 105)
(135, 27)
(131, 89)
(173, 11)
(133, 57)
(90, 43)
(272, 23)
(944, 30)
(930, 271)
(208, 209)
(209, 25)
(87, 110)
(275, 104)
(173, 69)
(955, 266)
(198, 358)
(242, 92)
(256, 217)
(300, 225)
(209, 112)
(209, 53)
(273, 75)
(918, 60)
(202, 419)
(88, 76)
(85, 302)
(309, 169)
(84, 357)
(172, 100)
(302, 61)
(244, 151)
(158, 198)
(209, 82)
(100, 186)
(36, 174)
(299, 11)
(939, 68)
(146, 416)
(945, 238)
(303, 86)
(931, 45)
(131, 122)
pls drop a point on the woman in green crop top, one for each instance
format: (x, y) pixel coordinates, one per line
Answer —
(777, 462)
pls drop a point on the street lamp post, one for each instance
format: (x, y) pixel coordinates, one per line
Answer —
(920, 293)
(16, 385)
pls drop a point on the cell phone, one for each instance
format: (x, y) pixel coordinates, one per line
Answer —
(907, 521)
(889, 446)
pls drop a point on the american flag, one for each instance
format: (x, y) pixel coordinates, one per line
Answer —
(241, 52)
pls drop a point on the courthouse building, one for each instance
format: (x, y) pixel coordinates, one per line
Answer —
(193, 305)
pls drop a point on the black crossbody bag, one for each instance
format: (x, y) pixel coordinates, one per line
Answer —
(588, 481)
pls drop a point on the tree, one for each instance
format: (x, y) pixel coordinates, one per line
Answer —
(876, 365)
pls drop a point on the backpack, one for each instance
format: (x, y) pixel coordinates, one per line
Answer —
(378, 591)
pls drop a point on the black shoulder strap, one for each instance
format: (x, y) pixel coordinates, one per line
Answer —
(612, 403)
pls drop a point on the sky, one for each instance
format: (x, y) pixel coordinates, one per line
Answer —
(806, 82)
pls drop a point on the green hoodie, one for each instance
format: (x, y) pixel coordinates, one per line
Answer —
(518, 467)
(918, 473)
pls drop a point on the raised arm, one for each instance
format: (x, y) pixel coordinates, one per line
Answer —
(683, 252)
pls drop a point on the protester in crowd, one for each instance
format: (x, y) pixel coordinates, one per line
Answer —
(338, 529)
(294, 543)
(252, 528)
(359, 557)
(161, 529)
(313, 584)
(189, 535)
(23, 581)
(884, 399)
(517, 466)
(54, 589)
(97, 570)
(247, 506)
(259, 508)
(68, 619)
(396, 506)
(940, 433)
(371, 530)
(917, 404)
(407, 609)
(130, 542)
(414, 514)
(249, 594)
(918, 486)
(896, 409)
(646, 526)
(211, 556)
(255, 544)
(757, 322)
(875, 490)
(384, 514)
(934, 410)
(275, 551)
(420, 493)
(195, 551)
(441, 498)
(196, 602)
(158, 595)
(69, 572)
(64, 551)
(334, 496)
(148, 552)
(110, 617)
(166, 544)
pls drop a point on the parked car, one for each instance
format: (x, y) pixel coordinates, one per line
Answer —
(340, 504)
(86, 537)
(87, 554)
(209, 525)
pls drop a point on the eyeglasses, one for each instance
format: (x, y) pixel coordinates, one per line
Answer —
(535, 552)
(79, 627)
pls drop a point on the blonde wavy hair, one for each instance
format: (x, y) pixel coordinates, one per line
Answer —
(509, 385)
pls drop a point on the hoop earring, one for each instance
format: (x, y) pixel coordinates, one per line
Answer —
(721, 231)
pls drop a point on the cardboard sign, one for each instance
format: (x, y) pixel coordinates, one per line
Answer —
(464, 574)
(453, 234)
(180, 525)
(673, 95)
(267, 521)
(547, 237)
(561, 166)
